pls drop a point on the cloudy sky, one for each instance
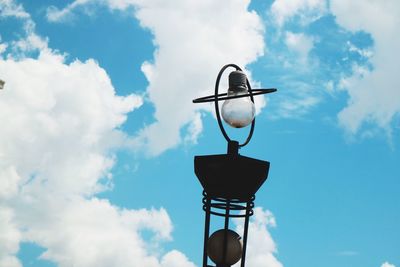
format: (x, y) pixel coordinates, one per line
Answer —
(98, 131)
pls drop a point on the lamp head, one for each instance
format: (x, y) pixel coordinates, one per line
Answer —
(238, 112)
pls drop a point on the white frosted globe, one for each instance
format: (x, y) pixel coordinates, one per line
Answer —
(238, 112)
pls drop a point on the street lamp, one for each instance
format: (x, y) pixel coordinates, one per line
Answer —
(230, 180)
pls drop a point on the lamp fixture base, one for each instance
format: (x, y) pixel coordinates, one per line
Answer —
(231, 176)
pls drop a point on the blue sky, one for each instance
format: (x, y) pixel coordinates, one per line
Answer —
(98, 132)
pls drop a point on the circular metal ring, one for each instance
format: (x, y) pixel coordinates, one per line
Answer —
(218, 97)
(218, 206)
(221, 126)
(212, 98)
(232, 200)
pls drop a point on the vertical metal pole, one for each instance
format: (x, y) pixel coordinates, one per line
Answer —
(226, 227)
(206, 231)
(246, 228)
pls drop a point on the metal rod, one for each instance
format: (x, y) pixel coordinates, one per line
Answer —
(226, 227)
(233, 148)
(206, 231)
(223, 96)
(253, 123)
(246, 228)
(221, 126)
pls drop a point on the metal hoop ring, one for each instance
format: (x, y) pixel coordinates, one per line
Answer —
(224, 96)
(219, 206)
(221, 126)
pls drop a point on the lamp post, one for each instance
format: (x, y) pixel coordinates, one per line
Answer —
(230, 180)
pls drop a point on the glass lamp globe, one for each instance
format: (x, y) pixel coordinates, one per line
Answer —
(234, 247)
(238, 112)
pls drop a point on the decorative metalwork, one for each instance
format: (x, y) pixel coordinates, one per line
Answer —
(230, 180)
(236, 205)
(224, 96)
(232, 208)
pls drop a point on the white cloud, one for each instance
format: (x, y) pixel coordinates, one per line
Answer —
(374, 96)
(65, 109)
(194, 39)
(297, 99)
(28, 43)
(92, 232)
(386, 264)
(301, 44)
(8, 8)
(61, 124)
(9, 238)
(53, 14)
(301, 90)
(308, 10)
(296, 107)
(194, 129)
(367, 53)
(175, 258)
(59, 127)
(3, 48)
(261, 248)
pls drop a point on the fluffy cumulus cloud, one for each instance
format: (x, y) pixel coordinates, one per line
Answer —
(59, 127)
(92, 232)
(193, 39)
(9, 238)
(374, 95)
(307, 10)
(387, 264)
(175, 258)
(261, 248)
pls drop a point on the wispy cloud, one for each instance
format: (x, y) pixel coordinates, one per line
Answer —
(370, 78)
(291, 49)
(348, 253)
(307, 10)
(301, 44)
(9, 8)
(374, 96)
(65, 14)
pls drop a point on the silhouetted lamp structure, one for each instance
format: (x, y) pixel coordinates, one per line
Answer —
(230, 180)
